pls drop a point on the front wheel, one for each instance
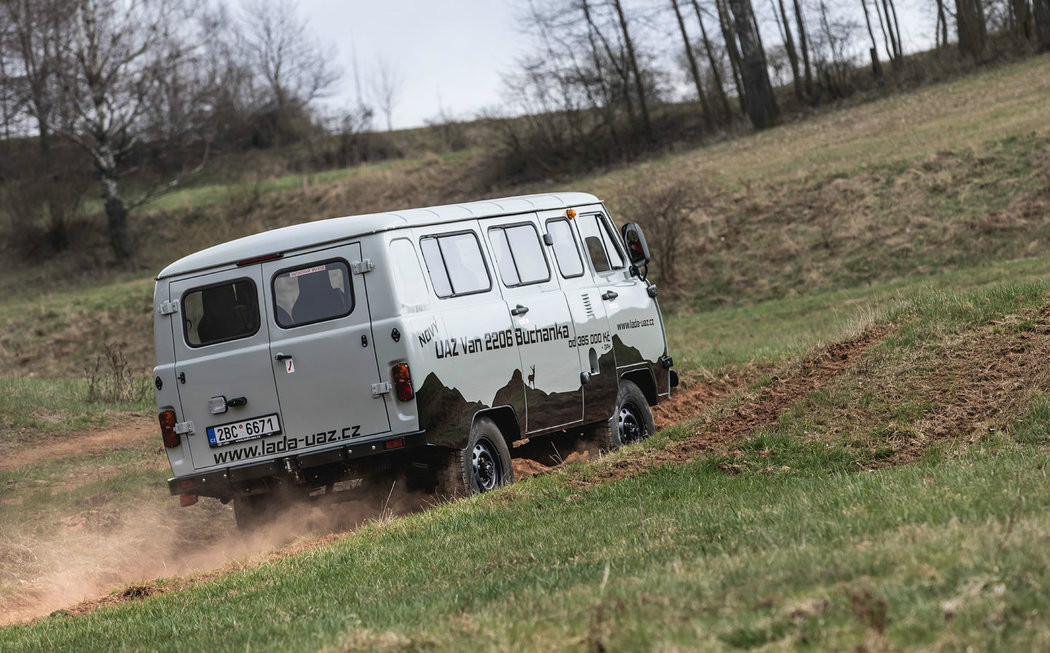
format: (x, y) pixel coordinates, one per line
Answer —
(631, 421)
(482, 465)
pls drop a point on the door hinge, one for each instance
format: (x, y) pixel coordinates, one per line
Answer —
(362, 266)
(184, 428)
(167, 308)
(380, 389)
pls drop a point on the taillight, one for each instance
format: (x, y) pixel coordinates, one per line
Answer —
(167, 429)
(402, 381)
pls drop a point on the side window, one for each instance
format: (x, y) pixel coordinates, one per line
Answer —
(455, 264)
(519, 255)
(411, 287)
(566, 252)
(225, 311)
(594, 242)
(312, 293)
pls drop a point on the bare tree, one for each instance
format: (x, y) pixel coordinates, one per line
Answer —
(289, 61)
(632, 58)
(712, 62)
(969, 21)
(693, 69)
(761, 103)
(1041, 15)
(388, 82)
(116, 56)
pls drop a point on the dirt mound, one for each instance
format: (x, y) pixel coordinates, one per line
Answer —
(720, 430)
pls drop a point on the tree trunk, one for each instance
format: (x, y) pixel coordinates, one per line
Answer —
(711, 61)
(893, 46)
(971, 33)
(639, 83)
(803, 44)
(1022, 14)
(876, 67)
(941, 31)
(116, 212)
(762, 104)
(789, 45)
(726, 24)
(897, 29)
(691, 59)
(1041, 14)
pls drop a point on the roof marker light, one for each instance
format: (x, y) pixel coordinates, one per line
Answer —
(570, 213)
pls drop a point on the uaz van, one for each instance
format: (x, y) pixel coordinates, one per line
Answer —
(300, 359)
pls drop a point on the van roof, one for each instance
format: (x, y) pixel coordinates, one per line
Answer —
(310, 234)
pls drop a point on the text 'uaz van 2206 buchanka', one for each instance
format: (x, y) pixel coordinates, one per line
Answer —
(426, 341)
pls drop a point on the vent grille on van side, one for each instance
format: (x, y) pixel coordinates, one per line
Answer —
(587, 305)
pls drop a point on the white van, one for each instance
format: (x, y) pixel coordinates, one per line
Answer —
(428, 340)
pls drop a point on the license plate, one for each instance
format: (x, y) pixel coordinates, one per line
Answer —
(249, 429)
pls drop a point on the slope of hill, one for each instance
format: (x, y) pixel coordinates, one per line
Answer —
(884, 490)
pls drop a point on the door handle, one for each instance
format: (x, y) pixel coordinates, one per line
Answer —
(519, 310)
(282, 357)
(609, 295)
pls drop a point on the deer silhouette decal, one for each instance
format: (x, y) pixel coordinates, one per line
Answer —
(532, 378)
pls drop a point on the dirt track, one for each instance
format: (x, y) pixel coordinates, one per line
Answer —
(204, 545)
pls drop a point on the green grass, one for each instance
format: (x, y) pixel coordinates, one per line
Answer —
(680, 557)
(785, 541)
(31, 407)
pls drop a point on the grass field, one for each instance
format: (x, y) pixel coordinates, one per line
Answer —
(893, 499)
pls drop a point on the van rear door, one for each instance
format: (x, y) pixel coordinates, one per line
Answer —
(322, 350)
(223, 367)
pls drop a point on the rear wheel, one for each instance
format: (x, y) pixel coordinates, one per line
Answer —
(252, 512)
(482, 465)
(631, 421)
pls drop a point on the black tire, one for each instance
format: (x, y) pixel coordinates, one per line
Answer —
(482, 465)
(252, 512)
(631, 421)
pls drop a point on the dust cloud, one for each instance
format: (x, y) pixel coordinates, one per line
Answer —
(108, 554)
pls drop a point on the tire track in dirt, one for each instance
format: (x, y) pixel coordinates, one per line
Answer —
(136, 431)
(719, 430)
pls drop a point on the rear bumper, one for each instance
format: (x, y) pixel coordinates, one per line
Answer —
(317, 467)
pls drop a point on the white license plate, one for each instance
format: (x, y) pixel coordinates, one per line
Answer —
(249, 429)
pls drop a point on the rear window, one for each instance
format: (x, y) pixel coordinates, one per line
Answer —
(312, 293)
(222, 312)
(455, 264)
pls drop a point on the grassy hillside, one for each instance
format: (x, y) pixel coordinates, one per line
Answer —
(887, 491)
(809, 529)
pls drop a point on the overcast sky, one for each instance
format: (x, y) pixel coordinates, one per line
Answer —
(450, 52)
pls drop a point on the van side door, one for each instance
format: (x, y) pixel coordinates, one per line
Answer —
(593, 343)
(321, 348)
(543, 327)
(469, 359)
(634, 317)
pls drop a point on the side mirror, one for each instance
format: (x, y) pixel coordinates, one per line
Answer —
(637, 249)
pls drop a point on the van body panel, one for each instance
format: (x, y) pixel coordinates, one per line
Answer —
(469, 356)
(325, 387)
(543, 336)
(593, 339)
(239, 368)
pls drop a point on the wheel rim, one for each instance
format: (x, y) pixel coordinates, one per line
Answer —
(630, 424)
(487, 470)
